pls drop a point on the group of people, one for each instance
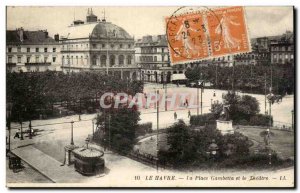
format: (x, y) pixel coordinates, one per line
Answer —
(189, 115)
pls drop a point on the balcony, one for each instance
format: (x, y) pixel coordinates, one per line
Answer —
(38, 64)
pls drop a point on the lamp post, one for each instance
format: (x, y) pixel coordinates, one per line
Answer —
(166, 108)
(8, 121)
(292, 119)
(72, 142)
(157, 119)
(93, 122)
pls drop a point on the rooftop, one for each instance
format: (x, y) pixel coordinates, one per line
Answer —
(20, 36)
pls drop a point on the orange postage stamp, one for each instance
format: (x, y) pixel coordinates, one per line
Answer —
(228, 31)
(187, 38)
(207, 34)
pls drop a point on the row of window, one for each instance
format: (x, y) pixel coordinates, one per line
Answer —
(152, 50)
(281, 56)
(29, 59)
(153, 58)
(112, 60)
(121, 46)
(28, 50)
(282, 48)
(103, 59)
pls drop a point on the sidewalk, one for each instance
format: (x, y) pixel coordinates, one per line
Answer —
(47, 165)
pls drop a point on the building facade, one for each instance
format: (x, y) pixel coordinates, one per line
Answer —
(282, 49)
(32, 51)
(98, 45)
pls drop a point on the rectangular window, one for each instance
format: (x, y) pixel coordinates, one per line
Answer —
(121, 45)
(9, 59)
(28, 59)
(28, 50)
(37, 50)
(19, 49)
(45, 49)
(94, 46)
(9, 49)
(45, 59)
(286, 56)
(129, 46)
(103, 45)
(54, 49)
(19, 59)
(292, 56)
(53, 59)
(37, 59)
(275, 56)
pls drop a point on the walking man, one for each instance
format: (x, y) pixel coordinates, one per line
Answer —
(189, 114)
(175, 115)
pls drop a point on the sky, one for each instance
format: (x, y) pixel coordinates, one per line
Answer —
(140, 21)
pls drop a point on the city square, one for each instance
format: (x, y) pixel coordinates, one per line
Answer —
(66, 125)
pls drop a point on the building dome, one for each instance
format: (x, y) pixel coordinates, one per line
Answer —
(96, 30)
(107, 29)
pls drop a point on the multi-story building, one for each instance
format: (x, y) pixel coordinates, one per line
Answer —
(29, 51)
(152, 55)
(98, 45)
(282, 49)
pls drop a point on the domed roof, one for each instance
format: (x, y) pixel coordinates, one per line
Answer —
(96, 30)
(104, 29)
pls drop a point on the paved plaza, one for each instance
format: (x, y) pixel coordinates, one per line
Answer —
(45, 152)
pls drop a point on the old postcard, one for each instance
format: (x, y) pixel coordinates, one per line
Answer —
(153, 97)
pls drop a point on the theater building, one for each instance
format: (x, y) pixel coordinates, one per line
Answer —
(98, 45)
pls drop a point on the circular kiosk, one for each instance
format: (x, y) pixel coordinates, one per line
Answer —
(88, 161)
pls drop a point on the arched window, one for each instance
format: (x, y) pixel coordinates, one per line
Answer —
(81, 60)
(121, 60)
(103, 60)
(112, 60)
(76, 60)
(71, 59)
(129, 58)
(94, 61)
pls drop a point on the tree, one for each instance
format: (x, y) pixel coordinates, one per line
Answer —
(183, 148)
(119, 128)
(241, 107)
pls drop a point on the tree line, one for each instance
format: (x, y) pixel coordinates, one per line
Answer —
(35, 93)
(247, 78)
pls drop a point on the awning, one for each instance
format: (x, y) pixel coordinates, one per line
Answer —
(179, 77)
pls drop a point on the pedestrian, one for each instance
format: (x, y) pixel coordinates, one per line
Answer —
(79, 118)
(17, 135)
(175, 115)
(177, 84)
(189, 114)
(186, 102)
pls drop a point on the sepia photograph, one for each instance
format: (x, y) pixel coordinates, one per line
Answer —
(150, 97)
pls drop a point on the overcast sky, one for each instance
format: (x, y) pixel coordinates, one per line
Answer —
(140, 21)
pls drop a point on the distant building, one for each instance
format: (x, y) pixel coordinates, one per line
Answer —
(32, 51)
(98, 45)
(152, 55)
(282, 49)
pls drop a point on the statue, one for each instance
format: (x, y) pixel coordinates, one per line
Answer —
(225, 113)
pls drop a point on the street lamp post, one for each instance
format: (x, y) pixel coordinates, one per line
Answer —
(157, 119)
(8, 119)
(21, 123)
(72, 141)
(292, 119)
(197, 100)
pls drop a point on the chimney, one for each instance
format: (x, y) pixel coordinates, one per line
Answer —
(56, 37)
(20, 32)
(46, 34)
